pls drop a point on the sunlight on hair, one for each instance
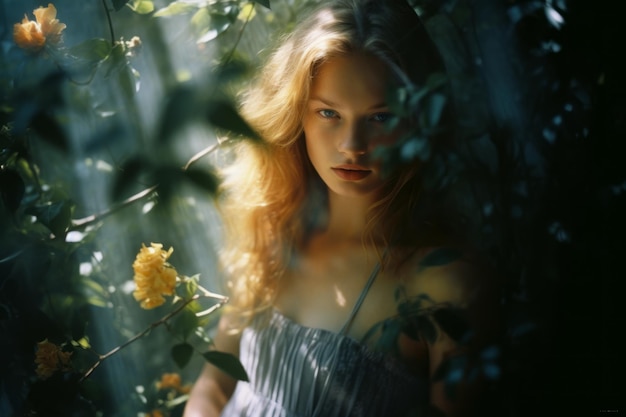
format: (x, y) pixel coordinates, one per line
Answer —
(325, 17)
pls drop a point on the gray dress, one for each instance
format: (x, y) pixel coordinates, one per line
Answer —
(297, 371)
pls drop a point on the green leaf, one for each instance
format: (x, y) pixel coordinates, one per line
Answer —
(222, 114)
(94, 286)
(142, 6)
(371, 332)
(427, 329)
(436, 104)
(127, 177)
(92, 50)
(232, 70)
(55, 216)
(265, 3)
(416, 147)
(181, 354)
(203, 179)
(201, 20)
(247, 12)
(191, 286)
(409, 328)
(136, 77)
(185, 323)
(43, 96)
(212, 23)
(78, 324)
(175, 8)
(168, 177)
(436, 80)
(96, 301)
(452, 322)
(50, 130)
(228, 363)
(411, 307)
(128, 81)
(116, 60)
(219, 23)
(12, 189)
(180, 107)
(440, 257)
(388, 341)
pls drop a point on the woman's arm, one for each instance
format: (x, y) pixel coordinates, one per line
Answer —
(213, 388)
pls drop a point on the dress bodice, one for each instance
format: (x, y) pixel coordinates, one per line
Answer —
(297, 371)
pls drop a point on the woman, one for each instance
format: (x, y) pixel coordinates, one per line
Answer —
(330, 251)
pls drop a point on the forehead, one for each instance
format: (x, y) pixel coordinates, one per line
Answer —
(355, 75)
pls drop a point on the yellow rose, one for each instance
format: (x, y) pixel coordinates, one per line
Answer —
(49, 358)
(28, 35)
(154, 277)
(34, 35)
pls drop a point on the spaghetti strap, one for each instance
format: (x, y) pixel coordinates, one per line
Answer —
(361, 298)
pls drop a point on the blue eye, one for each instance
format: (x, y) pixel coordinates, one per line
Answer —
(381, 117)
(328, 114)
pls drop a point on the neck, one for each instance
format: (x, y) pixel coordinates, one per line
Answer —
(347, 217)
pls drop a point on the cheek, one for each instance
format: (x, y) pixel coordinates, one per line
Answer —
(315, 141)
(391, 137)
(312, 150)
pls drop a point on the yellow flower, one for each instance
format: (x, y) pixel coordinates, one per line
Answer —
(154, 277)
(50, 358)
(28, 35)
(33, 35)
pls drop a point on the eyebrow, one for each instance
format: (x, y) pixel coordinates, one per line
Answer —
(330, 103)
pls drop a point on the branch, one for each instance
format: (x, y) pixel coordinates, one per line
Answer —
(239, 36)
(85, 221)
(200, 155)
(106, 10)
(163, 320)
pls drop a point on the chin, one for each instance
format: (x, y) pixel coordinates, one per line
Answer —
(356, 191)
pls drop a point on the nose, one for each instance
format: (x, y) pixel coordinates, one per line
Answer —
(353, 139)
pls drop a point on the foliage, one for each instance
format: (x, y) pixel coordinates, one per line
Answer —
(539, 179)
(57, 284)
(84, 148)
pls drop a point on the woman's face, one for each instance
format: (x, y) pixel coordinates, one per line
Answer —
(345, 121)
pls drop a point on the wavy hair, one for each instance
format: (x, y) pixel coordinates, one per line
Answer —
(273, 198)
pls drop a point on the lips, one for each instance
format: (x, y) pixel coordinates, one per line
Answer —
(350, 172)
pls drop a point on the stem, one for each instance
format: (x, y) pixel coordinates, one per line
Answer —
(94, 218)
(209, 294)
(67, 73)
(12, 256)
(85, 221)
(239, 36)
(108, 13)
(211, 309)
(147, 330)
(200, 155)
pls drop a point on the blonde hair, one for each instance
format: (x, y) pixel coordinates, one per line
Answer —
(273, 196)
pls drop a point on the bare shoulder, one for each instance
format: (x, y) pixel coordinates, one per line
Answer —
(445, 275)
(455, 288)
